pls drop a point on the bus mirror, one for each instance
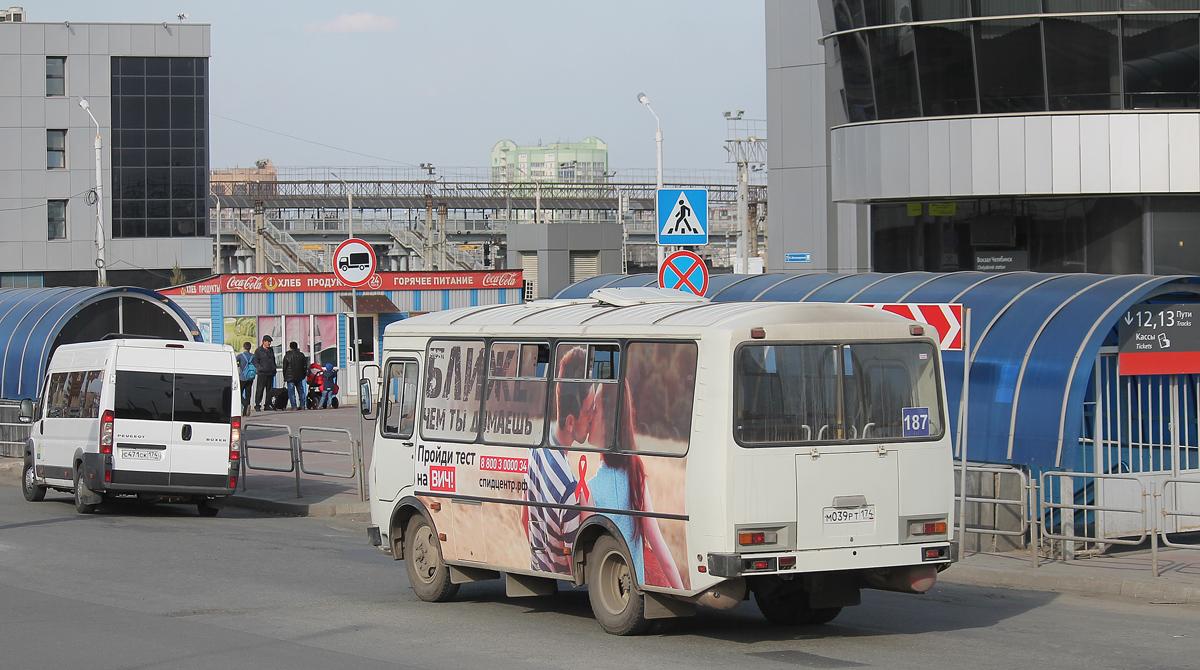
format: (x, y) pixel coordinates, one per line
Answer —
(26, 412)
(364, 399)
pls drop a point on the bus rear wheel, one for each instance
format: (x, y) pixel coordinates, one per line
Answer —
(427, 573)
(791, 609)
(612, 590)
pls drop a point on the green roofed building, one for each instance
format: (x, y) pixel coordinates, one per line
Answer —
(560, 162)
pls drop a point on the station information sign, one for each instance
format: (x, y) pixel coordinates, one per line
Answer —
(1159, 340)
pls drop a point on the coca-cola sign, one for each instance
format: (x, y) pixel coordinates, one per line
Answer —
(383, 281)
(502, 279)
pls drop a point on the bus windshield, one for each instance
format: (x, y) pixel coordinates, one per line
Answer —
(798, 393)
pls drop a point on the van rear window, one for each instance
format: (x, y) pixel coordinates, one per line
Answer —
(203, 398)
(143, 395)
(162, 396)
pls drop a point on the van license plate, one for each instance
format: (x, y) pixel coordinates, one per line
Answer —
(838, 515)
(141, 455)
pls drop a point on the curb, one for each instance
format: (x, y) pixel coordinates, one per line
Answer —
(1162, 593)
(297, 508)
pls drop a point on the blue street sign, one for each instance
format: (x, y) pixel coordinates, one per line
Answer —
(683, 216)
(797, 258)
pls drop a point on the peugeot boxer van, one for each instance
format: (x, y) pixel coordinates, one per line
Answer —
(155, 419)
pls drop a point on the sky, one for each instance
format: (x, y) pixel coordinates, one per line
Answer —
(402, 83)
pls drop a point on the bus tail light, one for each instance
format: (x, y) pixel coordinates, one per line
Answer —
(106, 432)
(927, 528)
(235, 438)
(916, 330)
(753, 537)
(787, 562)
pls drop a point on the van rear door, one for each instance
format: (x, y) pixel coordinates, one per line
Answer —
(142, 416)
(203, 400)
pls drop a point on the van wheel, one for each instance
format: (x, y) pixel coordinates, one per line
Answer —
(33, 491)
(206, 509)
(612, 589)
(792, 610)
(427, 573)
(80, 488)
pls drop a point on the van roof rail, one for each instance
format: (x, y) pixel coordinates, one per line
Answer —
(128, 336)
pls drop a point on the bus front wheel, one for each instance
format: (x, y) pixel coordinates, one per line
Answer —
(427, 573)
(791, 609)
(612, 590)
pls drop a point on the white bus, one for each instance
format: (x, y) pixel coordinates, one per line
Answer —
(666, 452)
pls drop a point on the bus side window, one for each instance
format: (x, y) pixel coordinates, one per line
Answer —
(400, 398)
(659, 389)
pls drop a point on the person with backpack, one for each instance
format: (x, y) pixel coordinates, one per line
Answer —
(295, 367)
(246, 371)
(264, 369)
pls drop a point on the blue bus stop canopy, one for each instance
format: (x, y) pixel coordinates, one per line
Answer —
(1034, 338)
(35, 321)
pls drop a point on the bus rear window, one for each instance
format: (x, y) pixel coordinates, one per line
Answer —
(803, 393)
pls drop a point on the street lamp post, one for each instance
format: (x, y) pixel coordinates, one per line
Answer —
(659, 171)
(100, 265)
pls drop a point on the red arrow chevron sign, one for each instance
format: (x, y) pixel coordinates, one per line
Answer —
(945, 318)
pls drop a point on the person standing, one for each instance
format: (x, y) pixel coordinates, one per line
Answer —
(295, 366)
(328, 381)
(246, 372)
(264, 369)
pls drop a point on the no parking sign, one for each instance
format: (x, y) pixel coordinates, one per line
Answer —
(684, 271)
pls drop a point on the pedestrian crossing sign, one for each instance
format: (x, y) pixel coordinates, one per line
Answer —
(683, 216)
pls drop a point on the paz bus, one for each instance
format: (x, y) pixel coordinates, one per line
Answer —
(665, 451)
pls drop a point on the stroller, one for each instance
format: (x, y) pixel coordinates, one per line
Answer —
(316, 382)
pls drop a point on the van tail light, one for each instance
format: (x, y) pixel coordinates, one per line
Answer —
(106, 432)
(235, 438)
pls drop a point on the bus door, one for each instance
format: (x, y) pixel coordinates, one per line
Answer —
(393, 457)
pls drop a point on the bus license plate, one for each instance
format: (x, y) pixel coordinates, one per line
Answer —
(141, 455)
(837, 515)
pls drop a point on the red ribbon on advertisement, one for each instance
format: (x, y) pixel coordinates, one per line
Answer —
(581, 489)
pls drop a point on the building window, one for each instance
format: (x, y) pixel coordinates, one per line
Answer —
(20, 279)
(56, 149)
(160, 147)
(56, 75)
(56, 219)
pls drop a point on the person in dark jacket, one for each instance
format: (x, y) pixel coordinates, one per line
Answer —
(328, 382)
(295, 368)
(264, 369)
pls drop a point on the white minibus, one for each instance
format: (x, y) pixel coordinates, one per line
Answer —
(155, 419)
(665, 451)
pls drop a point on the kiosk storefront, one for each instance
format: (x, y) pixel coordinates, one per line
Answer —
(313, 310)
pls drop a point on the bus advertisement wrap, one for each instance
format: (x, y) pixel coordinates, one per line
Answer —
(611, 447)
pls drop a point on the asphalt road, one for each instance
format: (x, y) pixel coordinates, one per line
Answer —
(160, 587)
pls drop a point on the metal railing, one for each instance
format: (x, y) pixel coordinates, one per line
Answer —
(247, 464)
(1174, 512)
(1022, 503)
(1067, 509)
(296, 450)
(349, 442)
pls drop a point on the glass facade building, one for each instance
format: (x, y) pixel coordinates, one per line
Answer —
(160, 147)
(928, 58)
(992, 135)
